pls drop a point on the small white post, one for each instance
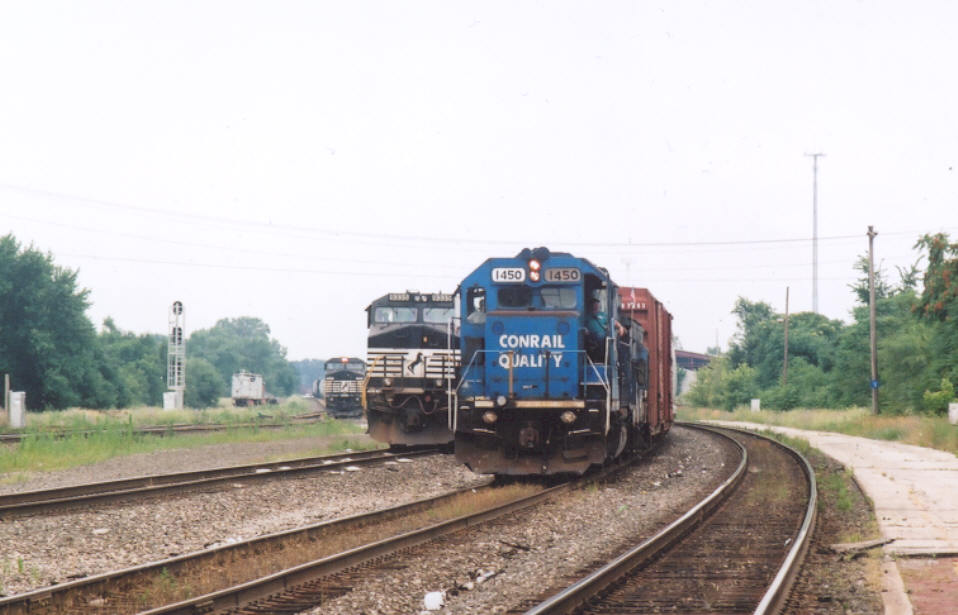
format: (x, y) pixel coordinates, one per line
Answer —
(953, 413)
(18, 407)
(756, 405)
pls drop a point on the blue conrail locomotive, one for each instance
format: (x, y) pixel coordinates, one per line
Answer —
(412, 357)
(555, 371)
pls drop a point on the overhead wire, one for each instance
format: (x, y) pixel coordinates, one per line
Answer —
(260, 226)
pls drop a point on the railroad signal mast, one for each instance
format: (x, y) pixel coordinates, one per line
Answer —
(176, 360)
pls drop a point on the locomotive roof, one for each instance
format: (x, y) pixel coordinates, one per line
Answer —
(544, 256)
(412, 297)
(347, 360)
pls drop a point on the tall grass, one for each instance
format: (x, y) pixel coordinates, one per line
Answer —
(928, 431)
(222, 414)
(102, 436)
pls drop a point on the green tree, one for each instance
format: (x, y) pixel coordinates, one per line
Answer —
(939, 299)
(760, 345)
(938, 306)
(203, 384)
(234, 344)
(754, 320)
(861, 286)
(137, 364)
(709, 384)
(47, 344)
(720, 385)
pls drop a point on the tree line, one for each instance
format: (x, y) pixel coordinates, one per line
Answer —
(829, 361)
(52, 351)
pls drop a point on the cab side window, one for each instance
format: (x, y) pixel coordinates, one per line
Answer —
(476, 305)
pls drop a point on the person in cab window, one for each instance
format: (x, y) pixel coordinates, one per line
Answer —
(596, 330)
(477, 307)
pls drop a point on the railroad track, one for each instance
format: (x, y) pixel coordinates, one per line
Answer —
(738, 551)
(162, 430)
(112, 491)
(313, 583)
(318, 569)
(243, 563)
(374, 542)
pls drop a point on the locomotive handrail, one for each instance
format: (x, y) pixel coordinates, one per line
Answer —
(454, 393)
(605, 385)
(608, 390)
(366, 379)
(451, 396)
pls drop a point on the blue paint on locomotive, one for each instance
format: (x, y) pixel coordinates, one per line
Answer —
(533, 325)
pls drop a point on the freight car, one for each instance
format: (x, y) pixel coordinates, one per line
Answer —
(248, 389)
(341, 386)
(411, 360)
(557, 374)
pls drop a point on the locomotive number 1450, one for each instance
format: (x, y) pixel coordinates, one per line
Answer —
(508, 274)
(563, 274)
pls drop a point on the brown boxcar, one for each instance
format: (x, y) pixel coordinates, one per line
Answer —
(639, 305)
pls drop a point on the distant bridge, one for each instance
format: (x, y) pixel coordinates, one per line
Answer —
(691, 360)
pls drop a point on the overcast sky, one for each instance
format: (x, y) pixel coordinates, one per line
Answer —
(292, 161)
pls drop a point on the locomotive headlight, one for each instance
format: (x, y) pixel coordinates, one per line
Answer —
(535, 270)
(489, 417)
(501, 401)
(567, 417)
(438, 382)
(388, 382)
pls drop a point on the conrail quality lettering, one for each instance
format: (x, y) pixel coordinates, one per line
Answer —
(532, 340)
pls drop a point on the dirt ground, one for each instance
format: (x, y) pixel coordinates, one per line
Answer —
(832, 583)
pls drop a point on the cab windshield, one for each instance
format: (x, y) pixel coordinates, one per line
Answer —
(544, 298)
(335, 365)
(436, 315)
(394, 314)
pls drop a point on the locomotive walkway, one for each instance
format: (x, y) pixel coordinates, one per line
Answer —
(915, 494)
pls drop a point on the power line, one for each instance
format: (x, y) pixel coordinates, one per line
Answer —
(285, 229)
(253, 267)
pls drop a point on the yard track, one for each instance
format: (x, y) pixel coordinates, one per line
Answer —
(133, 589)
(163, 430)
(112, 491)
(298, 586)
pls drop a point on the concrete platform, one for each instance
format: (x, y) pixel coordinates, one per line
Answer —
(914, 491)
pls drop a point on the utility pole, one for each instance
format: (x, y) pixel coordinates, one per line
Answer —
(871, 313)
(785, 369)
(815, 230)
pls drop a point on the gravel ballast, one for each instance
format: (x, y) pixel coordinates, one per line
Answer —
(535, 550)
(45, 549)
(545, 546)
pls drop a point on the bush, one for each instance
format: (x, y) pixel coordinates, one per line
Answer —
(203, 384)
(937, 402)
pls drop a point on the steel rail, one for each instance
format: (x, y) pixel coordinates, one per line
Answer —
(49, 499)
(576, 595)
(774, 599)
(159, 430)
(284, 580)
(38, 599)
